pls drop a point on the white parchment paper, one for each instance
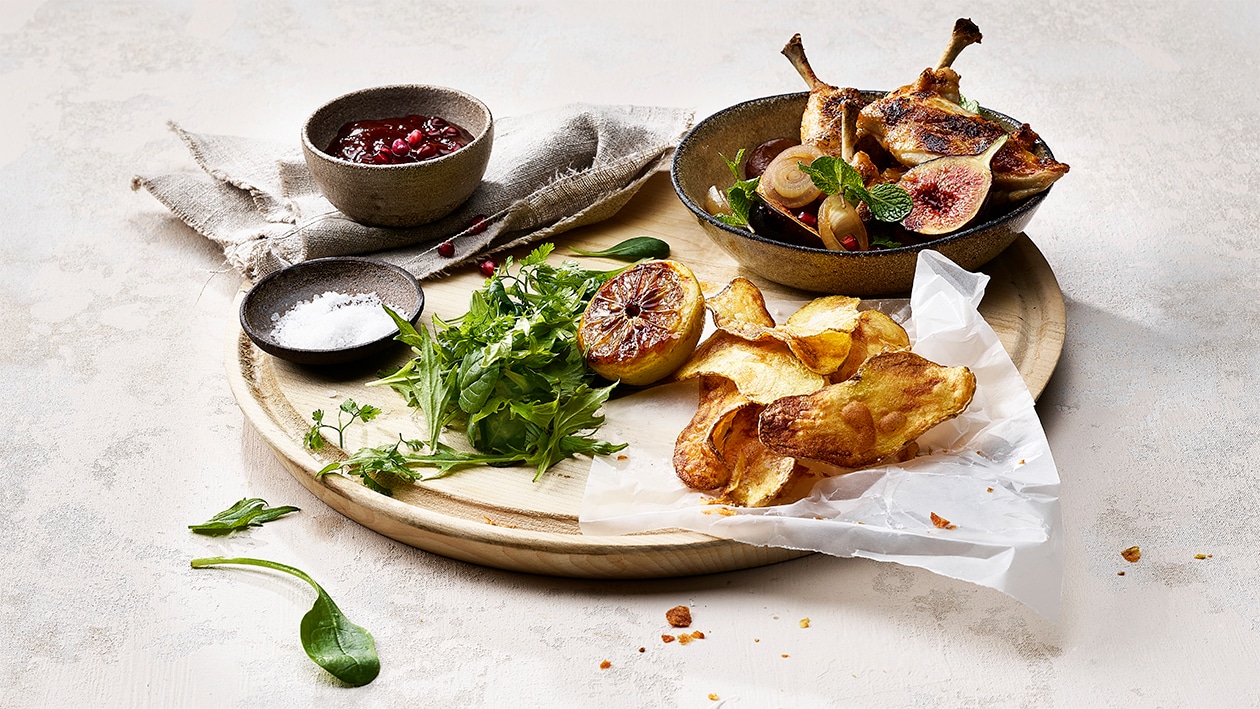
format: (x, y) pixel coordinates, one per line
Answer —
(988, 471)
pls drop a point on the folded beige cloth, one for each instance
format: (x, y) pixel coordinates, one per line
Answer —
(549, 172)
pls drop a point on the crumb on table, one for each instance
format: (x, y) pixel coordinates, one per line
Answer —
(679, 616)
(1132, 554)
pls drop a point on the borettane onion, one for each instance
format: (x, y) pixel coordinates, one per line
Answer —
(783, 181)
(838, 219)
(715, 201)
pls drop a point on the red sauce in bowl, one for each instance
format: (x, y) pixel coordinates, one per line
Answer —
(395, 141)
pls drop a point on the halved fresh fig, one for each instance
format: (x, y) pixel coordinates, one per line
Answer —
(948, 192)
(784, 183)
(778, 223)
(763, 154)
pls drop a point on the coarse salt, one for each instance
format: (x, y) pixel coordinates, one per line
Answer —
(332, 321)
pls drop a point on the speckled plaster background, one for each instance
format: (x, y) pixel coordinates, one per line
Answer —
(120, 428)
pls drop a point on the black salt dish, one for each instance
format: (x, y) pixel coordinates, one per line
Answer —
(278, 292)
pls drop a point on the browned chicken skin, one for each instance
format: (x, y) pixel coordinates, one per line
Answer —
(824, 123)
(923, 121)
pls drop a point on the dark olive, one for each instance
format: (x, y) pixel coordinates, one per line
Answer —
(761, 156)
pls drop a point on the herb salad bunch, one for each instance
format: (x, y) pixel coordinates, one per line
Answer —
(508, 374)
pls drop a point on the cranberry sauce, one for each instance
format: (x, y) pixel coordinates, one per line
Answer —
(393, 141)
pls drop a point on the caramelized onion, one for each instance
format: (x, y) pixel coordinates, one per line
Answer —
(785, 183)
(838, 219)
(715, 201)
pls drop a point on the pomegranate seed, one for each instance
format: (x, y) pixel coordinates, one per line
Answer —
(450, 131)
(414, 137)
(400, 147)
(478, 224)
(487, 267)
(446, 249)
(807, 219)
(849, 243)
(427, 150)
(438, 122)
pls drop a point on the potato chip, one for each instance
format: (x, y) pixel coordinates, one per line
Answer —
(819, 333)
(740, 309)
(874, 333)
(758, 476)
(894, 398)
(696, 460)
(764, 370)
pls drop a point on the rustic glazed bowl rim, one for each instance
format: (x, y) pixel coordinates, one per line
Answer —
(363, 264)
(473, 100)
(685, 144)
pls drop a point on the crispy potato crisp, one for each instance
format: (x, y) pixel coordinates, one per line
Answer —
(763, 370)
(740, 309)
(781, 407)
(894, 398)
(759, 476)
(695, 453)
(874, 333)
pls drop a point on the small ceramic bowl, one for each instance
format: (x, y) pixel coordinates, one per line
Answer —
(698, 164)
(399, 195)
(277, 293)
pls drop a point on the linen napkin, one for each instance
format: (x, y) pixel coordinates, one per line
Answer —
(549, 172)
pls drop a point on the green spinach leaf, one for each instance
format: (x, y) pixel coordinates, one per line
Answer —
(330, 639)
(632, 249)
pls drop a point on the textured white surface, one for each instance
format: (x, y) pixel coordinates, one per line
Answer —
(121, 429)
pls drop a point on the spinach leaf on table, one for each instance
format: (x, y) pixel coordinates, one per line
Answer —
(330, 639)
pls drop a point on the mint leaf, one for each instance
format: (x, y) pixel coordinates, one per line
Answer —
(825, 173)
(733, 165)
(888, 202)
(740, 195)
(968, 104)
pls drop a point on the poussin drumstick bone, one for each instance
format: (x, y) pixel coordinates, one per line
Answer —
(965, 34)
(821, 121)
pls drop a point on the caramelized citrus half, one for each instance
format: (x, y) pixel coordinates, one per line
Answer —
(643, 324)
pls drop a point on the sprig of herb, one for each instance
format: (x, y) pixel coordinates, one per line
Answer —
(249, 512)
(968, 104)
(888, 202)
(346, 650)
(740, 196)
(314, 440)
(508, 373)
(632, 249)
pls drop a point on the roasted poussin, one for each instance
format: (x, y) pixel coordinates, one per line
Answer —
(925, 120)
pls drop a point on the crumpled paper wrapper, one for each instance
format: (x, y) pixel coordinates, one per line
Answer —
(988, 471)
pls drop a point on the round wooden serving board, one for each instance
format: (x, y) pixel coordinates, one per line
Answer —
(498, 516)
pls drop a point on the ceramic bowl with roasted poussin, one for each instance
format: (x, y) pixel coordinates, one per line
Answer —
(837, 189)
